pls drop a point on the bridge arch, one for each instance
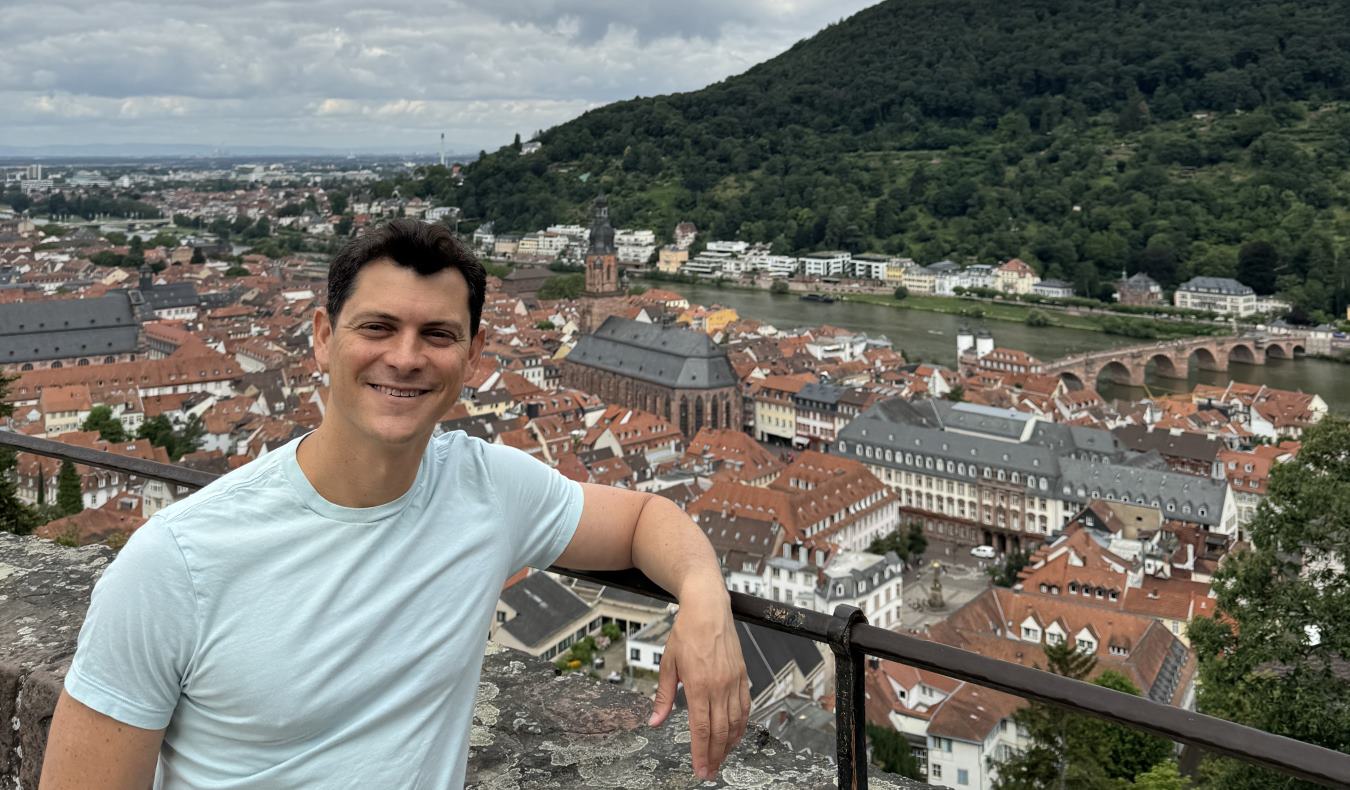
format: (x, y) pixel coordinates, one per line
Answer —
(1277, 351)
(1205, 359)
(1071, 380)
(1117, 372)
(1243, 353)
(1167, 366)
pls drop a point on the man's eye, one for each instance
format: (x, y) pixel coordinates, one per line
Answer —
(444, 337)
(375, 327)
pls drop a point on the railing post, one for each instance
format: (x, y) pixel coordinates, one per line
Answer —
(850, 700)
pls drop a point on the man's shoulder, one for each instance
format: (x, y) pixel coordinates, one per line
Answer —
(251, 480)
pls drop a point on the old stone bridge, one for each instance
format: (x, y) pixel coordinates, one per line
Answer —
(1174, 358)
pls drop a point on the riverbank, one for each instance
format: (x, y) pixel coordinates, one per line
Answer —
(979, 309)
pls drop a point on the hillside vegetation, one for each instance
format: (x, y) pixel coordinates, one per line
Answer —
(1088, 137)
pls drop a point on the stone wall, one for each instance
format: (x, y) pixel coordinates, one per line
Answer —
(531, 729)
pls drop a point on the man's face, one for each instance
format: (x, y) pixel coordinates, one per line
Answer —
(397, 354)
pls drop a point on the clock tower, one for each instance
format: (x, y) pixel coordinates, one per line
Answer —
(602, 260)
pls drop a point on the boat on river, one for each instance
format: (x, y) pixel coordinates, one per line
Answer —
(825, 298)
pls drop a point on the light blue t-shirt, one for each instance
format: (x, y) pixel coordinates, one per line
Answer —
(287, 642)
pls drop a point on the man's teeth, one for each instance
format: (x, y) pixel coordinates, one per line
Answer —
(397, 393)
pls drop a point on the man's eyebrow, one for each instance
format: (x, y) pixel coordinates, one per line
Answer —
(389, 318)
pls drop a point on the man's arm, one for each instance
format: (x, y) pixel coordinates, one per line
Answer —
(88, 749)
(625, 529)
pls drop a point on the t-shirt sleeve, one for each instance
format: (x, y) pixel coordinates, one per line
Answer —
(540, 507)
(139, 633)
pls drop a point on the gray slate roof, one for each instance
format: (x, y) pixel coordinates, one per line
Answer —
(542, 607)
(1223, 285)
(819, 393)
(1067, 457)
(767, 652)
(33, 331)
(676, 358)
(167, 297)
(1177, 495)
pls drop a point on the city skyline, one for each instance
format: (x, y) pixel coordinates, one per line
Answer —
(355, 78)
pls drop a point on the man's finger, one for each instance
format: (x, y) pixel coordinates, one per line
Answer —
(666, 684)
(700, 731)
(745, 705)
(738, 715)
(719, 737)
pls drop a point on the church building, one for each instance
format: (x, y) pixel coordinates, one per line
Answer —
(678, 374)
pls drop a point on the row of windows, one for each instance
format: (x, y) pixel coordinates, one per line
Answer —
(1138, 500)
(951, 467)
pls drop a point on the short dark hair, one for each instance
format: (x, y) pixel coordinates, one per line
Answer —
(424, 247)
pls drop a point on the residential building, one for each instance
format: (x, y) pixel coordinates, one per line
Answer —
(1015, 277)
(818, 416)
(1221, 295)
(541, 617)
(826, 264)
(671, 259)
(775, 414)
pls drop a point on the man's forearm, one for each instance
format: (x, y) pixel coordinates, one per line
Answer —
(673, 552)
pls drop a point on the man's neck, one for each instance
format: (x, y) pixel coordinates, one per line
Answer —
(354, 474)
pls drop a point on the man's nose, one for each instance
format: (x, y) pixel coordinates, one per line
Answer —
(408, 352)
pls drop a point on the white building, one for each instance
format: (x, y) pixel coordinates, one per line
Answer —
(635, 246)
(827, 264)
(1222, 295)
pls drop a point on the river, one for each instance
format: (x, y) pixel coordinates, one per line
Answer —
(931, 337)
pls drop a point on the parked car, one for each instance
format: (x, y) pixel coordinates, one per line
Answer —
(983, 552)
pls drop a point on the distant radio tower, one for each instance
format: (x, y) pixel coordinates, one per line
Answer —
(442, 149)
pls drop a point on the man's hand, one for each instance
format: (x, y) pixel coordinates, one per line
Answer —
(704, 653)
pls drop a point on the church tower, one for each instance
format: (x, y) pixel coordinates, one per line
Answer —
(602, 260)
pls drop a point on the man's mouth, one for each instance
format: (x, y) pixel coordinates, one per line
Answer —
(396, 392)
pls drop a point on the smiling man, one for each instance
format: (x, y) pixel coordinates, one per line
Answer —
(317, 617)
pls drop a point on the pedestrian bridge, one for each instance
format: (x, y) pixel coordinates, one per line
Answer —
(1174, 358)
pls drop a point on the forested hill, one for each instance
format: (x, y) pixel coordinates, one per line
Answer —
(1181, 137)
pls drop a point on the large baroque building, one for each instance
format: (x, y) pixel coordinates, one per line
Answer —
(980, 475)
(677, 374)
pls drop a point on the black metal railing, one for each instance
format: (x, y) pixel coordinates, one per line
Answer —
(852, 640)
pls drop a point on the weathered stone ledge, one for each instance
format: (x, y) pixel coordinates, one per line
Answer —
(531, 729)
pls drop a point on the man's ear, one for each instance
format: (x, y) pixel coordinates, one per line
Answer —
(476, 348)
(323, 335)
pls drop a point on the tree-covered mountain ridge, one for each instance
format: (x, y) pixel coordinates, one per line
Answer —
(1087, 137)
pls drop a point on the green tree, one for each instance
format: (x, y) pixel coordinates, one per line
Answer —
(563, 286)
(1037, 318)
(69, 495)
(1271, 661)
(778, 287)
(1163, 776)
(1073, 751)
(892, 753)
(1124, 752)
(1004, 574)
(197, 256)
(101, 419)
(337, 202)
(957, 393)
(15, 516)
(901, 292)
(176, 443)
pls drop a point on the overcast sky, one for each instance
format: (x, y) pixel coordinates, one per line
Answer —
(364, 74)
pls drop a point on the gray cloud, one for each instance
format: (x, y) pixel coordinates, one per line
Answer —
(347, 74)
